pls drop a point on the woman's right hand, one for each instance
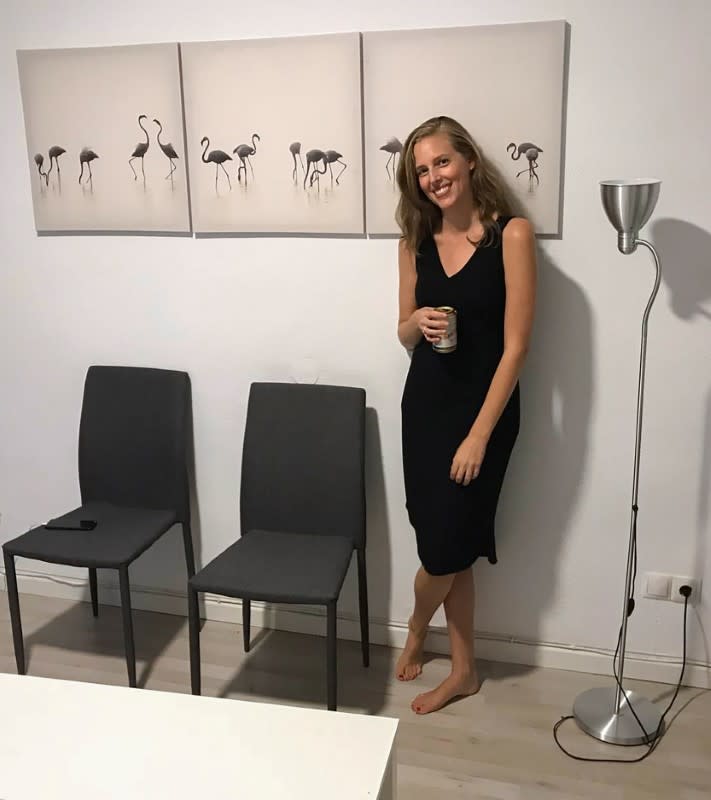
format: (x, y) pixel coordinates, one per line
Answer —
(432, 324)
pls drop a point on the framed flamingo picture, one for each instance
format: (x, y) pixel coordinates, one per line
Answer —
(274, 135)
(508, 92)
(105, 143)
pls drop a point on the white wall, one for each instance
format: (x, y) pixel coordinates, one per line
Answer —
(637, 105)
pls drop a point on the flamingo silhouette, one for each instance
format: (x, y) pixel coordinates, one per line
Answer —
(295, 150)
(39, 160)
(86, 157)
(331, 157)
(313, 157)
(216, 157)
(140, 150)
(531, 152)
(54, 152)
(394, 147)
(244, 151)
(168, 150)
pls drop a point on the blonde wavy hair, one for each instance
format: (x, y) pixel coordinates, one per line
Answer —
(418, 217)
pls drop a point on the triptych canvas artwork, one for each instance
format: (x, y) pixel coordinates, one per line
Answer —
(282, 136)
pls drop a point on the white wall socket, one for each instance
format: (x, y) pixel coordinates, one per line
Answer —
(677, 581)
(660, 586)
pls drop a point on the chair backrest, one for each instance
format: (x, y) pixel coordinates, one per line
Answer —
(303, 460)
(134, 436)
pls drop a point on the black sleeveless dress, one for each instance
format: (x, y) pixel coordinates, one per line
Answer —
(454, 524)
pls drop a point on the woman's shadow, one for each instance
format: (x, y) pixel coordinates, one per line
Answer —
(545, 477)
(685, 254)
(548, 466)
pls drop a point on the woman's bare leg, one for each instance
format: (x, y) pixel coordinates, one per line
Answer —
(430, 592)
(463, 679)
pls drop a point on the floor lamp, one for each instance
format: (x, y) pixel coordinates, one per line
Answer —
(612, 714)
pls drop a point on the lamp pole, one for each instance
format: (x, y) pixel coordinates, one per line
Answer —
(612, 714)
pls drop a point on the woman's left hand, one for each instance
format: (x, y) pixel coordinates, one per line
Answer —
(468, 459)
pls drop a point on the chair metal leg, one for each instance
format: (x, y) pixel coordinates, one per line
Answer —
(246, 609)
(189, 553)
(194, 627)
(331, 666)
(14, 603)
(363, 601)
(94, 588)
(127, 625)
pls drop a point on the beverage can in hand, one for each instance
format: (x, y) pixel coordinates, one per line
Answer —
(448, 342)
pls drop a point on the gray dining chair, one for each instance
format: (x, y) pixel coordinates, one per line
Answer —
(134, 443)
(302, 512)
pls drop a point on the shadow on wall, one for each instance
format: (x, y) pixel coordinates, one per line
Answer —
(547, 467)
(685, 253)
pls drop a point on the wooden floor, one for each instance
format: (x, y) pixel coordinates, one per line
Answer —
(497, 745)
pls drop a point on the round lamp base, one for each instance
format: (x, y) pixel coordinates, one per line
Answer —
(594, 711)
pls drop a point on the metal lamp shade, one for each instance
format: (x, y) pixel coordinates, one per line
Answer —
(628, 205)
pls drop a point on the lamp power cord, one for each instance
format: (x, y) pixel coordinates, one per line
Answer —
(652, 738)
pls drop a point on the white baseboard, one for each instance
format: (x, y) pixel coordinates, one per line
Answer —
(297, 619)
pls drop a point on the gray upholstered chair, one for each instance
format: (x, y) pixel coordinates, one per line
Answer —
(302, 511)
(134, 440)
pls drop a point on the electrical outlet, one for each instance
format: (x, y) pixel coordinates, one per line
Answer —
(677, 581)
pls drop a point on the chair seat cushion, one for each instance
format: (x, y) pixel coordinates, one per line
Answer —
(120, 536)
(279, 567)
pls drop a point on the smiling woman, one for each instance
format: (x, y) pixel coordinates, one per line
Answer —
(461, 247)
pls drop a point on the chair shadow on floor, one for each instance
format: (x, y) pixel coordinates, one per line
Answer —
(290, 668)
(75, 629)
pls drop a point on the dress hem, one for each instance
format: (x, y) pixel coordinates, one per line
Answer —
(492, 559)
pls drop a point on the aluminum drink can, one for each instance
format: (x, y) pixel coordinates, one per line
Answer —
(448, 342)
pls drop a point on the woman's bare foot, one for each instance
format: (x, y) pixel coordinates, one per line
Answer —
(453, 686)
(409, 665)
